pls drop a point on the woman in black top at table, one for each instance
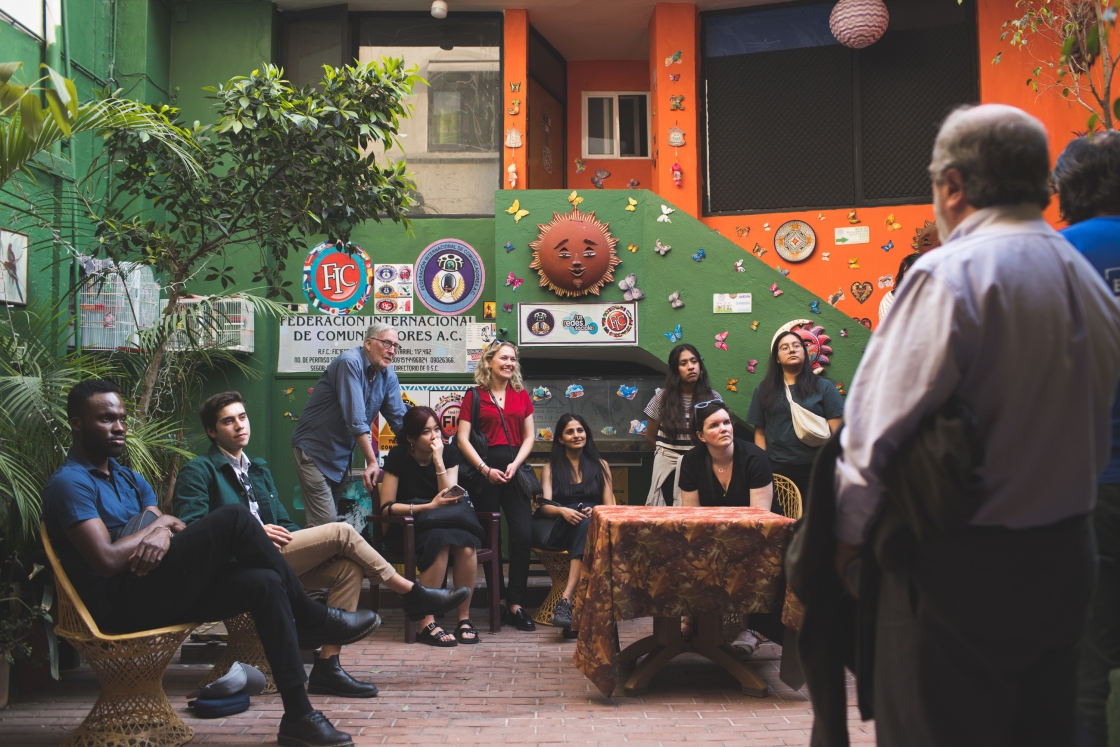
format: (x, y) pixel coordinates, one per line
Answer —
(575, 479)
(724, 471)
(419, 471)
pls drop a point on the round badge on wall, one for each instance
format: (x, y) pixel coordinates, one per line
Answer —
(337, 279)
(540, 322)
(449, 276)
(795, 240)
(617, 321)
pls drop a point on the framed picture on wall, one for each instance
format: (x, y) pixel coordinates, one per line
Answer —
(13, 277)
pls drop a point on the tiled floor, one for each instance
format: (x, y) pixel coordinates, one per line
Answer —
(514, 688)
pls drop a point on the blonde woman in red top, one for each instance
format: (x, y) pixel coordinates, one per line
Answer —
(505, 417)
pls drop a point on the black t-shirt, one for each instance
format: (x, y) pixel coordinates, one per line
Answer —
(750, 468)
(417, 484)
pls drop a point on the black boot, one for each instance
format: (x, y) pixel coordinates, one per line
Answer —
(422, 601)
(329, 678)
(313, 730)
(340, 628)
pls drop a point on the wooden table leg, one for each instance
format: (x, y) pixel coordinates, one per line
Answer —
(663, 646)
(709, 644)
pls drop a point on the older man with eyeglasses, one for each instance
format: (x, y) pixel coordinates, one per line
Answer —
(356, 386)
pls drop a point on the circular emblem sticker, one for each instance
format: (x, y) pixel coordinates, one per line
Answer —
(617, 321)
(447, 412)
(795, 240)
(386, 273)
(540, 322)
(449, 276)
(337, 281)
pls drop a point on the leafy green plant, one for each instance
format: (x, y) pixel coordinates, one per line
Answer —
(1071, 42)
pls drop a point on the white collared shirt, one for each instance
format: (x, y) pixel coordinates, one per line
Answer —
(1010, 317)
(241, 469)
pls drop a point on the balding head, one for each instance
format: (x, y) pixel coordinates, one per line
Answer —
(1000, 153)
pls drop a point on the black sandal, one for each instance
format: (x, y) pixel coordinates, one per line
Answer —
(427, 635)
(464, 628)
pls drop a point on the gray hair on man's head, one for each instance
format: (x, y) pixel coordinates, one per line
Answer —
(376, 329)
(1001, 153)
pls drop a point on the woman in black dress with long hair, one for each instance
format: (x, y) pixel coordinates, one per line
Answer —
(575, 479)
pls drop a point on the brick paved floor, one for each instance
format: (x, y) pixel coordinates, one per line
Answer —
(514, 688)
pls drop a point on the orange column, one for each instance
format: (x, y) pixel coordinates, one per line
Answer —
(516, 87)
(674, 28)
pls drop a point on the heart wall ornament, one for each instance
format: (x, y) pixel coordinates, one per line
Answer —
(862, 291)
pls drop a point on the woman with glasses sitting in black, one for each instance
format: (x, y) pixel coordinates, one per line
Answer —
(724, 471)
(575, 479)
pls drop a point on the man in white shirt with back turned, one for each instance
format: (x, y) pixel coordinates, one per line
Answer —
(977, 641)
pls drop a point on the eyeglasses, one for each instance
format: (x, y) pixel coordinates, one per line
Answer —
(393, 347)
(708, 403)
(788, 348)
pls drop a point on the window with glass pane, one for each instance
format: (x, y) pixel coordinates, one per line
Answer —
(616, 125)
(600, 126)
(633, 138)
(452, 141)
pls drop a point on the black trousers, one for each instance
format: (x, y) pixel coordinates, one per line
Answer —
(977, 643)
(218, 567)
(519, 523)
(1100, 651)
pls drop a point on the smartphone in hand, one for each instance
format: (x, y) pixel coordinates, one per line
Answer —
(456, 492)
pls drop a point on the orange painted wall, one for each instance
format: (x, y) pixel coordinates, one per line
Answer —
(604, 75)
(675, 27)
(1002, 83)
(515, 64)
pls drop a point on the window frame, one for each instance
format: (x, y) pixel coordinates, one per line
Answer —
(584, 96)
(971, 29)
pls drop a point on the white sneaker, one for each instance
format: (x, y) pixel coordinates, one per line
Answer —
(745, 644)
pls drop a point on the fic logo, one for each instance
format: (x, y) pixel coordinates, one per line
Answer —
(337, 279)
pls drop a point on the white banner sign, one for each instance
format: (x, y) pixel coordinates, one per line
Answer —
(577, 324)
(429, 344)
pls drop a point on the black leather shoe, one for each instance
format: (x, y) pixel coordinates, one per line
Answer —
(422, 601)
(329, 678)
(313, 730)
(520, 620)
(340, 628)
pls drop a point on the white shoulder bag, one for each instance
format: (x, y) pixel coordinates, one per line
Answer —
(811, 429)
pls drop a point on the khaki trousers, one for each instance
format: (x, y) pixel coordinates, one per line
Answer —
(336, 558)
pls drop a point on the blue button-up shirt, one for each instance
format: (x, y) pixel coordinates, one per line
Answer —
(344, 402)
(78, 492)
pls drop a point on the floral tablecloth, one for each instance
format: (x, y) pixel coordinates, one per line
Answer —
(644, 561)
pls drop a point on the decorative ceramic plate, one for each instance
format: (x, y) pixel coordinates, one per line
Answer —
(795, 240)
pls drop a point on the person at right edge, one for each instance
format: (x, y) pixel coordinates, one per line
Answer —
(977, 639)
(1087, 179)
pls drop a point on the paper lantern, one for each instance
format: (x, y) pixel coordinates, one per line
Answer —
(858, 23)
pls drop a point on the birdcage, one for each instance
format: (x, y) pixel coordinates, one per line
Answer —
(225, 323)
(117, 303)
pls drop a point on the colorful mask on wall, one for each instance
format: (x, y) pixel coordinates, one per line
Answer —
(574, 254)
(816, 341)
(926, 238)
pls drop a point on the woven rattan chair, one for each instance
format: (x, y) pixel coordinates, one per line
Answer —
(242, 645)
(558, 564)
(788, 496)
(132, 709)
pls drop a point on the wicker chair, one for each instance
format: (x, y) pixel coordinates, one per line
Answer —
(132, 709)
(788, 496)
(242, 645)
(558, 564)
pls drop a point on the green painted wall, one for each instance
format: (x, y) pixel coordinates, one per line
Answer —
(659, 276)
(212, 42)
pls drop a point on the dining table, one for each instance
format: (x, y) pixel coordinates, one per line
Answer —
(666, 562)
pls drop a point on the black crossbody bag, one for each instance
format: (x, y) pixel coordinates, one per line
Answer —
(525, 478)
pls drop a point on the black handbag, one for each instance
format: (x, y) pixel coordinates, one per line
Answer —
(526, 477)
(471, 477)
(458, 515)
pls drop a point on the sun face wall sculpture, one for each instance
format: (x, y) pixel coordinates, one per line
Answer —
(574, 254)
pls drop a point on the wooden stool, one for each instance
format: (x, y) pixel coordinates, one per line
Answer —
(557, 564)
(243, 645)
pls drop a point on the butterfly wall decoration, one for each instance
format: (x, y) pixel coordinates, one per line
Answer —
(840, 388)
(514, 87)
(758, 250)
(514, 282)
(675, 300)
(509, 247)
(674, 336)
(600, 175)
(739, 266)
(700, 254)
(507, 307)
(754, 325)
(627, 392)
(632, 247)
(779, 269)
(580, 165)
(766, 226)
(853, 263)
(676, 103)
(660, 248)
(825, 256)
(751, 364)
(633, 204)
(891, 225)
(743, 232)
(732, 385)
(629, 286)
(633, 184)
(852, 217)
(844, 332)
(815, 307)
(776, 290)
(666, 211)
(674, 77)
(720, 338)
(574, 198)
(516, 211)
(888, 246)
(820, 216)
